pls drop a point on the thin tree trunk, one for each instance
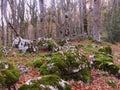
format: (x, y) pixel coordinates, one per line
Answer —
(85, 22)
(42, 13)
(2, 36)
(13, 7)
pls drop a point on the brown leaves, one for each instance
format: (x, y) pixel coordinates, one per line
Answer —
(97, 83)
(26, 76)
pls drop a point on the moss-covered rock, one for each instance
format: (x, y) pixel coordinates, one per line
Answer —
(68, 65)
(101, 60)
(48, 82)
(54, 65)
(2, 80)
(111, 83)
(104, 62)
(61, 42)
(88, 47)
(113, 69)
(37, 62)
(47, 44)
(9, 75)
(106, 50)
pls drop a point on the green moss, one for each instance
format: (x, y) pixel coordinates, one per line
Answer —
(1, 54)
(101, 59)
(113, 69)
(85, 74)
(45, 83)
(52, 79)
(37, 62)
(79, 46)
(27, 55)
(44, 69)
(11, 58)
(29, 63)
(53, 66)
(2, 80)
(9, 74)
(103, 73)
(111, 83)
(47, 44)
(10, 78)
(50, 45)
(106, 50)
(24, 87)
(88, 47)
(2, 65)
(71, 65)
(48, 54)
(60, 42)
(16, 73)
(104, 62)
(41, 42)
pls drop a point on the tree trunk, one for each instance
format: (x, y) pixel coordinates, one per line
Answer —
(2, 36)
(96, 20)
(21, 18)
(42, 13)
(13, 7)
(85, 22)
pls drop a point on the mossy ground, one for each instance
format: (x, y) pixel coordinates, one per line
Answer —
(69, 66)
(9, 74)
(47, 82)
(64, 66)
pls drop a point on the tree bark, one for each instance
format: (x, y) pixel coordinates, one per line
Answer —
(13, 7)
(42, 13)
(85, 22)
(96, 20)
(2, 16)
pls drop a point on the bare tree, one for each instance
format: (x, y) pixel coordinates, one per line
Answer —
(21, 17)
(13, 7)
(85, 22)
(96, 20)
(63, 19)
(2, 17)
(34, 17)
(42, 13)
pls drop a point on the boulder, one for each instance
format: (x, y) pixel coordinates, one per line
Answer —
(9, 74)
(104, 62)
(47, 82)
(106, 50)
(24, 45)
(68, 65)
(47, 44)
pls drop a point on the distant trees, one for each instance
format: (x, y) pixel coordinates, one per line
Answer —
(112, 22)
(58, 19)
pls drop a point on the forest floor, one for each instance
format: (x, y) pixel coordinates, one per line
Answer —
(98, 81)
